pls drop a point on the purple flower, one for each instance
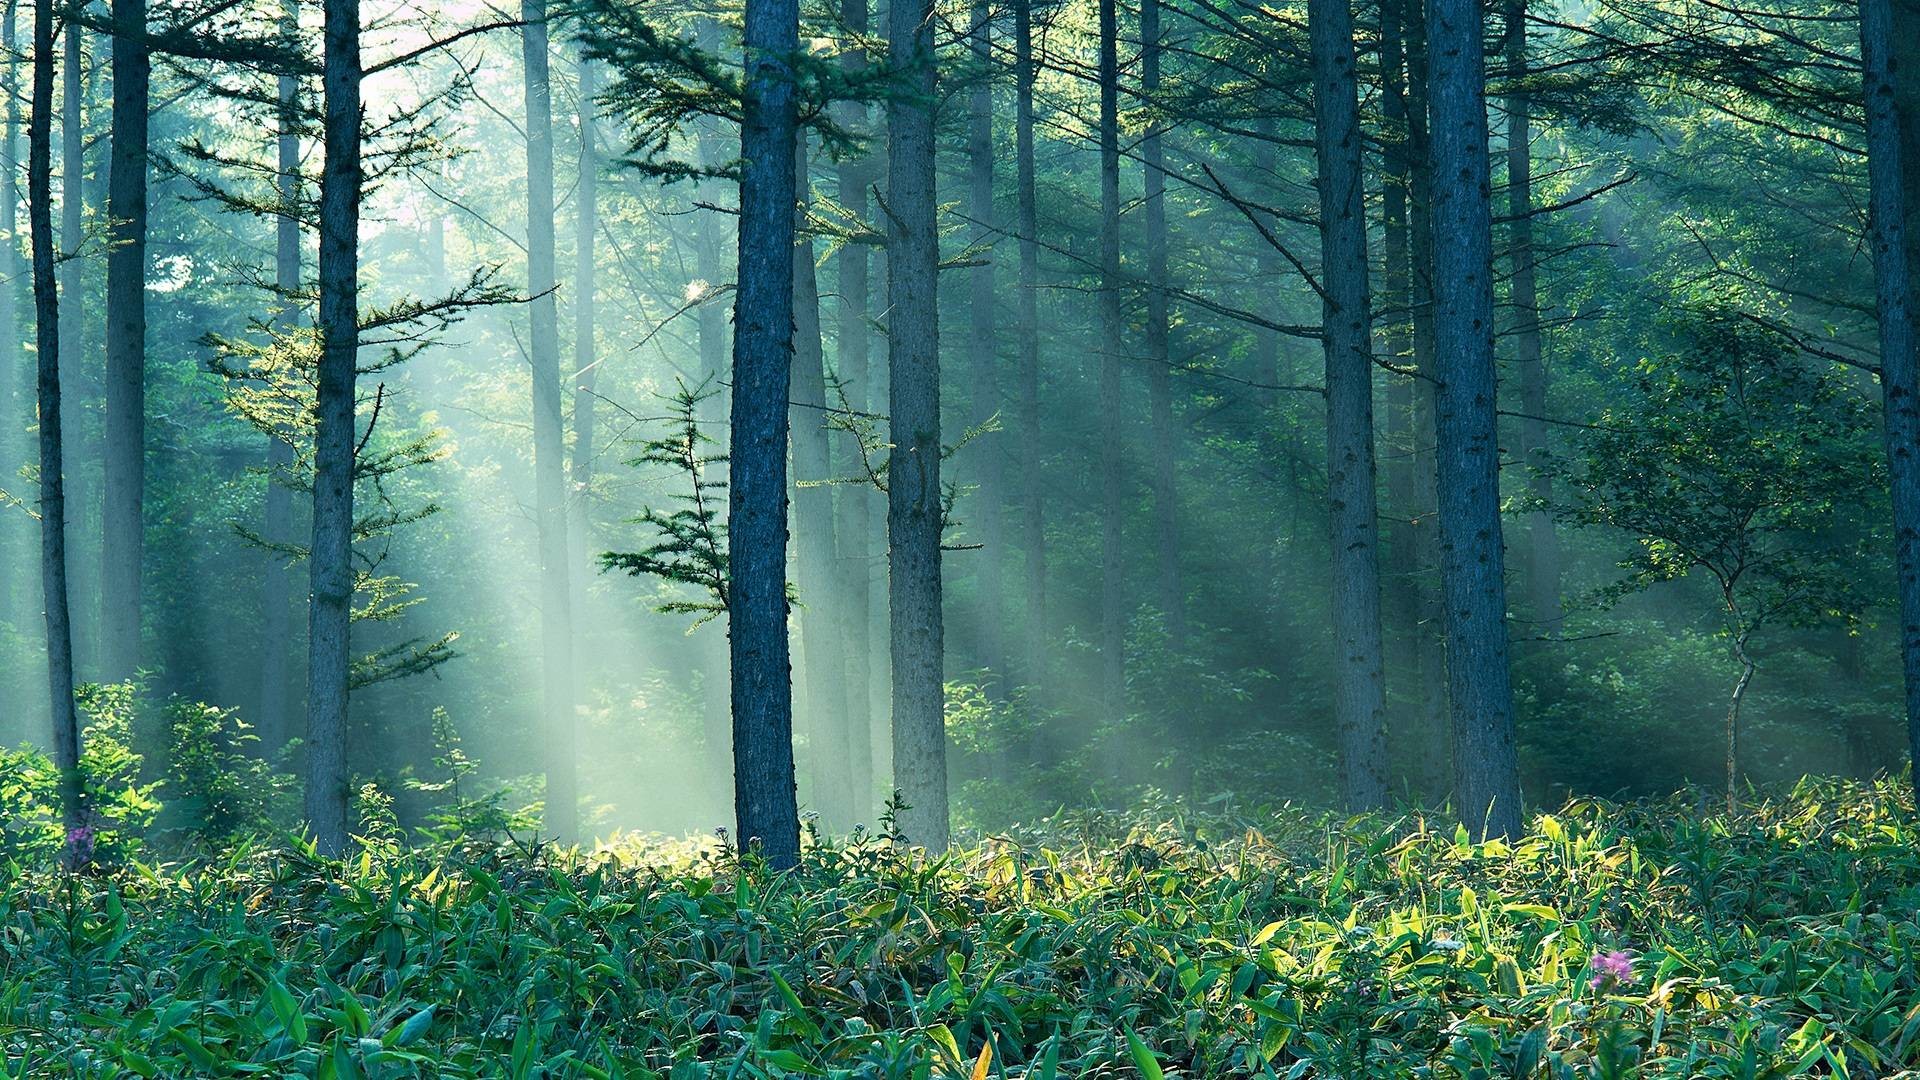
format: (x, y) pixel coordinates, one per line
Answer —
(1610, 969)
(80, 844)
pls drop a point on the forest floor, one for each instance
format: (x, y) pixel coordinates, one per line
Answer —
(1631, 940)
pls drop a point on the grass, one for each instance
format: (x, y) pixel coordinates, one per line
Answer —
(1779, 942)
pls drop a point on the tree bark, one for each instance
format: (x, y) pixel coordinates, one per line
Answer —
(1543, 545)
(76, 379)
(277, 527)
(1033, 501)
(710, 320)
(549, 439)
(1346, 334)
(330, 558)
(983, 351)
(830, 736)
(854, 502)
(1112, 330)
(764, 797)
(586, 221)
(14, 415)
(122, 532)
(53, 503)
(1899, 343)
(917, 633)
(1166, 505)
(1472, 557)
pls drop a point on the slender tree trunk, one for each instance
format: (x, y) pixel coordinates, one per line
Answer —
(818, 570)
(711, 320)
(585, 372)
(1033, 501)
(1899, 342)
(53, 504)
(330, 559)
(854, 502)
(983, 351)
(1113, 629)
(1472, 557)
(917, 634)
(14, 415)
(1735, 700)
(1403, 500)
(1166, 505)
(122, 531)
(764, 797)
(549, 438)
(73, 339)
(1359, 681)
(277, 527)
(1543, 545)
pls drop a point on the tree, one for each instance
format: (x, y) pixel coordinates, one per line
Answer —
(1899, 343)
(276, 527)
(53, 502)
(1112, 335)
(549, 436)
(1467, 459)
(122, 529)
(1346, 335)
(1166, 506)
(983, 350)
(914, 496)
(764, 799)
(330, 556)
(1033, 510)
(1731, 458)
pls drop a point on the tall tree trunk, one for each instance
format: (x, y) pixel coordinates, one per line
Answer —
(983, 349)
(122, 532)
(1904, 63)
(1472, 559)
(1113, 629)
(1899, 342)
(549, 438)
(1166, 506)
(757, 510)
(73, 339)
(710, 320)
(53, 503)
(1347, 327)
(330, 558)
(917, 635)
(14, 416)
(586, 373)
(277, 527)
(830, 735)
(1033, 501)
(1543, 545)
(854, 502)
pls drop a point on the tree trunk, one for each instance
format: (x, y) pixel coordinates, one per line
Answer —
(277, 527)
(983, 352)
(1166, 506)
(1033, 501)
(330, 559)
(74, 349)
(1543, 545)
(1472, 560)
(585, 372)
(1346, 321)
(122, 533)
(549, 439)
(53, 503)
(1899, 343)
(818, 565)
(917, 634)
(854, 502)
(764, 798)
(710, 319)
(1734, 702)
(1113, 629)
(14, 415)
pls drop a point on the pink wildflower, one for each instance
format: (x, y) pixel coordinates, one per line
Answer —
(1610, 969)
(80, 844)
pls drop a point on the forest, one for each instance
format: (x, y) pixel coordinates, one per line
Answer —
(960, 538)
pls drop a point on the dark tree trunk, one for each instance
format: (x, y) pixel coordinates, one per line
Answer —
(1472, 559)
(854, 502)
(1166, 506)
(330, 559)
(1033, 502)
(1543, 545)
(983, 351)
(764, 798)
(76, 378)
(53, 502)
(549, 439)
(829, 738)
(122, 532)
(1113, 629)
(1347, 327)
(916, 636)
(1899, 344)
(277, 527)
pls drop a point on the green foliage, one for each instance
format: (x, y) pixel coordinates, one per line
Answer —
(690, 541)
(1775, 943)
(463, 808)
(218, 787)
(120, 806)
